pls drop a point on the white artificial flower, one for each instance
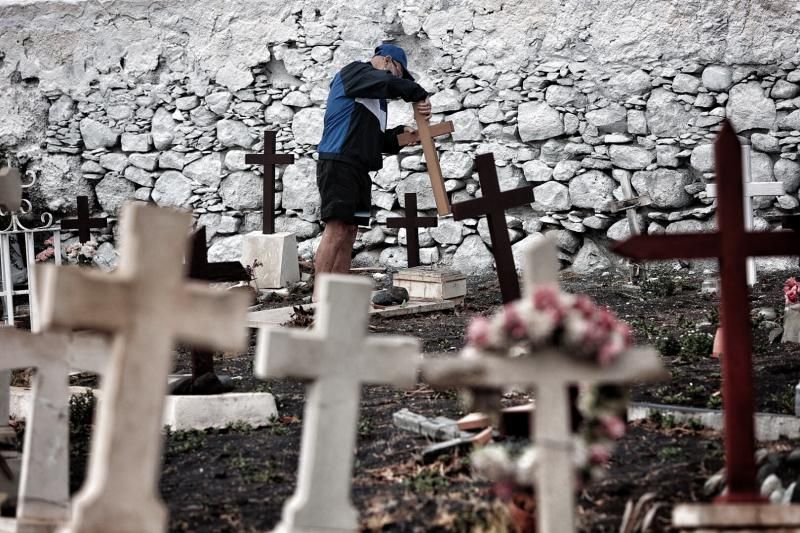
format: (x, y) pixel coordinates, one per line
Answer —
(492, 463)
(527, 464)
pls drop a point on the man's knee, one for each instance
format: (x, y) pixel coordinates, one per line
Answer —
(341, 231)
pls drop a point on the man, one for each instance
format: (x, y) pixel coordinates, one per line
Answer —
(353, 139)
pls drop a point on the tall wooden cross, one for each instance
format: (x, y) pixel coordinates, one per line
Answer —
(269, 159)
(201, 270)
(146, 306)
(43, 496)
(550, 372)
(630, 203)
(337, 358)
(411, 222)
(425, 134)
(731, 244)
(493, 203)
(751, 190)
(84, 223)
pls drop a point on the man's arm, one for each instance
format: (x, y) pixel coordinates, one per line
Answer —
(362, 80)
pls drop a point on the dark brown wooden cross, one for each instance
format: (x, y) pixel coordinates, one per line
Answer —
(732, 245)
(84, 224)
(493, 204)
(425, 134)
(411, 222)
(201, 269)
(269, 159)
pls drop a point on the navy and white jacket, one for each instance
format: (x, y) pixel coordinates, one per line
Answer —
(355, 120)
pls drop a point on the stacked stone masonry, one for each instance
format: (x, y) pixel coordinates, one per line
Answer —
(161, 101)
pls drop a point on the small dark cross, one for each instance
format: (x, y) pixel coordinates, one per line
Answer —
(201, 269)
(732, 244)
(493, 204)
(269, 159)
(84, 224)
(411, 222)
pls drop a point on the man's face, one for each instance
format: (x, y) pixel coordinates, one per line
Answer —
(393, 66)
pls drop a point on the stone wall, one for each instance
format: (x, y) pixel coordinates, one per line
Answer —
(161, 100)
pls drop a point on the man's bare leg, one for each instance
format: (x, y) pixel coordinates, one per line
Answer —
(337, 241)
(344, 254)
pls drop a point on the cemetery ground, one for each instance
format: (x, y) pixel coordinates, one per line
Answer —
(237, 478)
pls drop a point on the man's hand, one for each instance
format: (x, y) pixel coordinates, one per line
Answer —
(409, 129)
(424, 108)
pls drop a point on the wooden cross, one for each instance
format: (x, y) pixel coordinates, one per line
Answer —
(731, 244)
(629, 204)
(493, 204)
(550, 372)
(425, 134)
(751, 190)
(337, 358)
(83, 223)
(201, 270)
(269, 159)
(411, 222)
(10, 190)
(43, 496)
(146, 306)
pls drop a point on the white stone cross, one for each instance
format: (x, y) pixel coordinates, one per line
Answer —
(337, 357)
(751, 189)
(147, 306)
(550, 372)
(43, 495)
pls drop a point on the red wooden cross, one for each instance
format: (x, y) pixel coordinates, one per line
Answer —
(493, 204)
(732, 245)
(201, 269)
(269, 159)
(83, 223)
(412, 223)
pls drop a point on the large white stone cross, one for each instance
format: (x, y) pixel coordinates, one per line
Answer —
(751, 190)
(147, 306)
(550, 372)
(43, 495)
(337, 357)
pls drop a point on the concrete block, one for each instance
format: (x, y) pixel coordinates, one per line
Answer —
(277, 254)
(430, 283)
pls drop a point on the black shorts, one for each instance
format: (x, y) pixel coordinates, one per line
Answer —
(344, 190)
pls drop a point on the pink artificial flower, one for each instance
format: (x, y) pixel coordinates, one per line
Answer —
(584, 304)
(45, 255)
(613, 426)
(478, 332)
(545, 297)
(512, 323)
(790, 289)
(599, 454)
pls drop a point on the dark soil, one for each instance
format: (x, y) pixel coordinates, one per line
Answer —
(237, 479)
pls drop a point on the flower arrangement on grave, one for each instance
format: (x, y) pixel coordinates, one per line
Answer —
(81, 253)
(48, 253)
(549, 318)
(790, 288)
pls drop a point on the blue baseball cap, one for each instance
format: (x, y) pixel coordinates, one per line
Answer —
(396, 53)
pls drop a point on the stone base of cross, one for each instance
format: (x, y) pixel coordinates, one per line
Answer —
(736, 517)
(549, 373)
(273, 259)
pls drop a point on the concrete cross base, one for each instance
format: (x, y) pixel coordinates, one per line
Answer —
(740, 517)
(277, 254)
(791, 324)
(430, 283)
(185, 412)
(13, 525)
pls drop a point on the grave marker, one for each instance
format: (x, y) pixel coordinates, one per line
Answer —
(733, 243)
(336, 357)
(630, 203)
(751, 190)
(550, 373)
(493, 203)
(425, 134)
(146, 306)
(411, 222)
(271, 256)
(84, 224)
(10, 190)
(43, 496)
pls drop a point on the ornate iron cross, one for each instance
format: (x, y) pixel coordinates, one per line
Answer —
(732, 245)
(493, 204)
(411, 222)
(269, 159)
